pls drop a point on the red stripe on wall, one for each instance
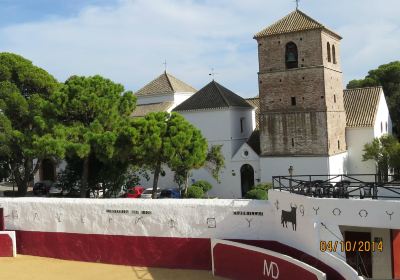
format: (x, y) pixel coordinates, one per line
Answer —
(186, 253)
(167, 252)
(238, 263)
(331, 274)
(6, 246)
(396, 253)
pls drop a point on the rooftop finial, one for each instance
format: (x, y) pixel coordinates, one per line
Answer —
(297, 4)
(165, 66)
(213, 73)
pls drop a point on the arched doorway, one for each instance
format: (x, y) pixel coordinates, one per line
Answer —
(247, 178)
(47, 170)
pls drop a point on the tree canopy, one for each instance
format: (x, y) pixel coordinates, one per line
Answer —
(387, 76)
(26, 118)
(385, 151)
(170, 140)
(93, 112)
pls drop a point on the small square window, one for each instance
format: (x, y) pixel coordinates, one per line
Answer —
(293, 101)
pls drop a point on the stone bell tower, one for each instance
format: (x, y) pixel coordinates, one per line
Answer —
(301, 91)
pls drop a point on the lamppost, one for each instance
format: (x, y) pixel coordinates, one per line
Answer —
(291, 177)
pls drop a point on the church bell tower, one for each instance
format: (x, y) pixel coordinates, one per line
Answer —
(301, 89)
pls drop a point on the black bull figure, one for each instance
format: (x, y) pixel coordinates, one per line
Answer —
(289, 216)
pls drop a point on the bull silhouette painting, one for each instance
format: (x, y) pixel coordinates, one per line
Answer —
(289, 216)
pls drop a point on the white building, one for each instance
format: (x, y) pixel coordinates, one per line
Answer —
(226, 119)
(367, 117)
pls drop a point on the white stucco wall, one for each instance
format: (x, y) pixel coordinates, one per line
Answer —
(278, 166)
(338, 164)
(180, 97)
(382, 119)
(356, 138)
(214, 124)
(141, 100)
(316, 219)
(239, 137)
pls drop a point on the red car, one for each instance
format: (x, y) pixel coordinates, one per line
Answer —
(134, 192)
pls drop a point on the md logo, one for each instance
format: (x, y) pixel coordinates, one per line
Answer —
(271, 270)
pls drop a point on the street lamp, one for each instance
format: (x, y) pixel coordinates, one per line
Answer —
(291, 176)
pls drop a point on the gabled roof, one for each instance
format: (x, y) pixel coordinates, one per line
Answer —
(255, 102)
(164, 84)
(361, 105)
(142, 110)
(295, 21)
(213, 96)
(254, 141)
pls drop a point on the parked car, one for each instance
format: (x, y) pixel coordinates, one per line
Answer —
(42, 187)
(56, 189)
(148, 193)
(134, 192)
(170, 193)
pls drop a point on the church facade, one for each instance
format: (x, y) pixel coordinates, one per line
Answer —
(302, 122)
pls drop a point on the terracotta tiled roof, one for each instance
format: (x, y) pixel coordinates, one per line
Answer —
(213, 96)
(361, 105)
(295, 21)
(164, 84)
(142, 110)
(255, 102)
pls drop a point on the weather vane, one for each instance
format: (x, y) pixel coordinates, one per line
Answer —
(165, 65)
(213, 73)
(297, 4)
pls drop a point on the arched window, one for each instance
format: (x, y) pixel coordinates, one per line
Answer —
(291, 56)
(334, 54)
(328, 50)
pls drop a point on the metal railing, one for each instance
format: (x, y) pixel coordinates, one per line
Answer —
(339, 186)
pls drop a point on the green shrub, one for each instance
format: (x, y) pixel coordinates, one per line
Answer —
(263, 186)
(256, 194)
(204, 185)
(195, 192)
(259, 191)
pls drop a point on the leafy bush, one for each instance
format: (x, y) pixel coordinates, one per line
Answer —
(256, 194)
(259, 191)
(263, 186)
(194, 192)
(204, 185)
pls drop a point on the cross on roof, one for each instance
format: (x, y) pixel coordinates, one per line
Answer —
(165, 65)
(297, 4)
(213, 73)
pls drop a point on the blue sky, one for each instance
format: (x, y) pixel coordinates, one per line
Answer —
(128, 40)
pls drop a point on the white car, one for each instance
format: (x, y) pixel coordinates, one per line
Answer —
(56, 189)
(148, 192)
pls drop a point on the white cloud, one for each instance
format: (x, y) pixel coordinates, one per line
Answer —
(129, 41)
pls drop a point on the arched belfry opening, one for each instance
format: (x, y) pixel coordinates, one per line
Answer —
(247, 178)
(291, 56)
(334, 54)
(328, 50)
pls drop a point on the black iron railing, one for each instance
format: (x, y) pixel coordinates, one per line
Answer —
(339, 186)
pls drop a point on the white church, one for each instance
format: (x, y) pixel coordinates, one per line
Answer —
(301, 120)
